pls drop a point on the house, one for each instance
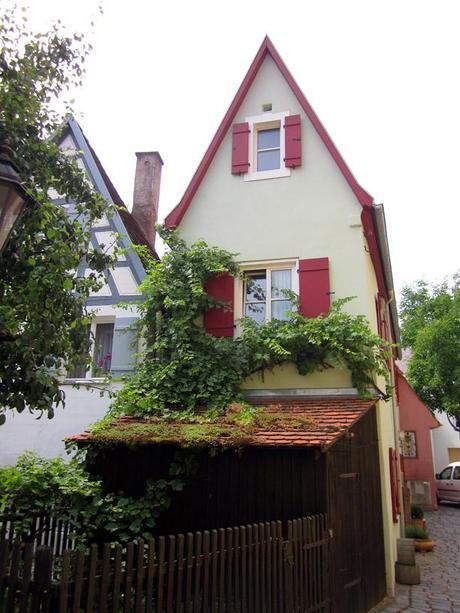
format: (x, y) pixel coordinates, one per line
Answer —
(111, 326)
(416, 423)
(273, 188)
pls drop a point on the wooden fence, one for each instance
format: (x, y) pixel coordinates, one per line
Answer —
(271, 567)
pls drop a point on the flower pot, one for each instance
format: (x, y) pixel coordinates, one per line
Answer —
(424, 544)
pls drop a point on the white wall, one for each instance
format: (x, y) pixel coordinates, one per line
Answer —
(443, 438)
(45, 436)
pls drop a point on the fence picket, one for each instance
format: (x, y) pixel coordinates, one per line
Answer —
(180, 573)
(228, 564)
(91, 579)
(171, 569)
(117, 576)
(78, 585)
(139, 574)
(256, 567)
(244, 556)
(42, 579)
(13, 578)
(198, 562)
(26, 577)
(214, 561)
(150, 575)
(64, 583)
(161, 574)
(236, 568)
(244, 569)
(221, 557)
(188, 574)
(206, 561)
(105, 578)
(4, 554)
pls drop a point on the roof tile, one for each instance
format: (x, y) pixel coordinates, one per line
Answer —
(329, 419)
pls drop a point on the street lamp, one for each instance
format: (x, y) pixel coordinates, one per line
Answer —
(13, 196)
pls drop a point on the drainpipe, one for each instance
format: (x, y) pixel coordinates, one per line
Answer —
(382, 239)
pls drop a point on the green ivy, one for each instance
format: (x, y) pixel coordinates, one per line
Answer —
(51, 488)
(184, 369)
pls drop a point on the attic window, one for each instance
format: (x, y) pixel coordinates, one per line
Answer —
(266, 147)
(267, 107)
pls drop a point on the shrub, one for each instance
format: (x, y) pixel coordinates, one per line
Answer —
(416, 512)
(52, 488)
(415, 532)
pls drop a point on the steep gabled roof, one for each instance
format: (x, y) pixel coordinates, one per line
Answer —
(104, 185)
(267, 48)
(378, 249)
(133, 229)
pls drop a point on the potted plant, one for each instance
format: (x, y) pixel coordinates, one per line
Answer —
(422, 541)
(416, 514)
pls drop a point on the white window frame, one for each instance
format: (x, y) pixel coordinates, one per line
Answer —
(247, 267)
(104, 319)
(256, 123)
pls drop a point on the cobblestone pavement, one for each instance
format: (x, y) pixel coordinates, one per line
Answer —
(439, 589)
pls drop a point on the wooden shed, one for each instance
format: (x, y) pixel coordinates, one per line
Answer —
(275, 474)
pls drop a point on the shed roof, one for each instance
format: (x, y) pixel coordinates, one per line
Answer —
(285, 422)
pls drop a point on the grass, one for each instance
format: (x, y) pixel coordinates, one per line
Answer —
(235, 428)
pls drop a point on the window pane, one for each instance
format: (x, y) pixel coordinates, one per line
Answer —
(103, 347)
(446, 473)
(457, 472)
(268, 160)
(279, 308)
(256, 311)
(281, 280)
(268, 139)
(79, 370)
(256, 287)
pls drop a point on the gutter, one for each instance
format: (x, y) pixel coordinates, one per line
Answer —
(378, 215)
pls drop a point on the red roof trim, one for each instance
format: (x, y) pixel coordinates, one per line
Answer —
(367, 221)
(175, 216)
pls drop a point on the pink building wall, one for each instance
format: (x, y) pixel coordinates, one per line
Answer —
(415, 416)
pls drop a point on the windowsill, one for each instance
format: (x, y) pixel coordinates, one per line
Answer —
(267, 174)
(85, 381)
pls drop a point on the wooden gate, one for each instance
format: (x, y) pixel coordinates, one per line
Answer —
(358, 579)
(271, 567)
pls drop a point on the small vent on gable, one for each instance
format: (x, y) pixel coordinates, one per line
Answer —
(267, 107)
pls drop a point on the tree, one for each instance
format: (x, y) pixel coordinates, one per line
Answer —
(430, 317)
(43, 319)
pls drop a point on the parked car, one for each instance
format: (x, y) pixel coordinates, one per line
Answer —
(448, 483)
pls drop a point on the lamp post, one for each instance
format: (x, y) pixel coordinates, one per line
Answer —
(13, 196)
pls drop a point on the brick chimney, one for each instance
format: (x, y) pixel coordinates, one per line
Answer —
(147, 192)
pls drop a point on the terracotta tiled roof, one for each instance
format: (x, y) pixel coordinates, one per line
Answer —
(330, 419)
(301, 422)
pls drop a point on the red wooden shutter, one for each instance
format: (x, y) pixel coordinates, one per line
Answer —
(240, 148)
(293, 142)
(219, 321)
(314, 287)
(394, 485)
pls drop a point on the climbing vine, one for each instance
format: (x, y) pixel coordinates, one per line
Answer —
(184, 369)
(51, 488)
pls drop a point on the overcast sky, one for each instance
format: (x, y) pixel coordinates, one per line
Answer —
(382, 76)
